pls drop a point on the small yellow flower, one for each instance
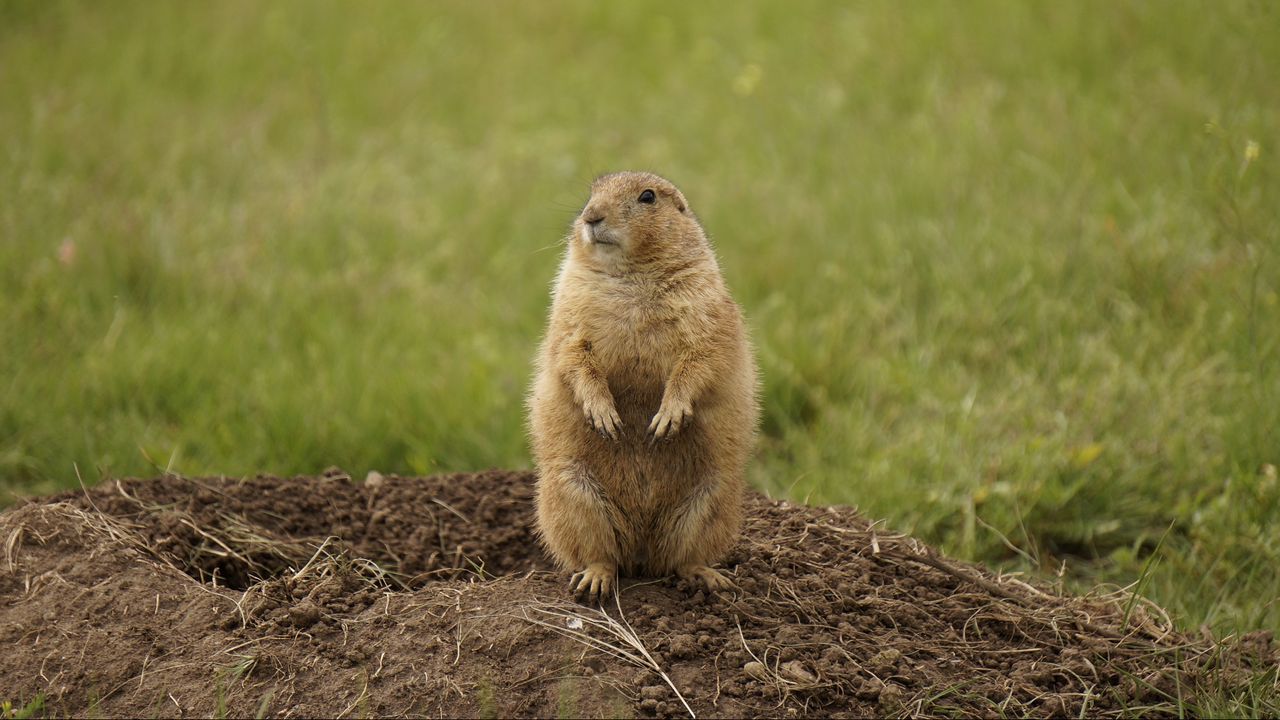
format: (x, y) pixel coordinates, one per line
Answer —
(1085, 455)
(1251, 151)
(747, 80)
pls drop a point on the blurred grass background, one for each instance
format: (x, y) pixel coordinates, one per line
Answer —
(1011, 267)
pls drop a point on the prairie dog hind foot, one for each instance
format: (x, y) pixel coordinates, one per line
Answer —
(594, 582)
(707, 577)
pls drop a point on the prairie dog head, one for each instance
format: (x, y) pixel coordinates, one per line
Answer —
(635, 218)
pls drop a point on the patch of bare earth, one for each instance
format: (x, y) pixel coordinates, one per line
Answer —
(430, 596)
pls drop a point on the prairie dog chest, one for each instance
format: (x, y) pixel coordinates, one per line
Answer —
(636, 330)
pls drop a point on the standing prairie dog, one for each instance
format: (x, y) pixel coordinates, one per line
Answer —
(644, 410)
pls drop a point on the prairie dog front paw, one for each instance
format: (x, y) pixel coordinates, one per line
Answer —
(603, 416)
(672, 416)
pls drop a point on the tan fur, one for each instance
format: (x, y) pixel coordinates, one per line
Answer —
(644, 410)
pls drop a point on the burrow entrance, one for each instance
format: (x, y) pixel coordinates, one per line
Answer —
(235, 533)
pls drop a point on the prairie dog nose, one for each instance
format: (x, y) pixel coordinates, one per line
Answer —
(592, 216)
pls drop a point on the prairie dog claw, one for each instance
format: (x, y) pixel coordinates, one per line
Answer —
(593, 583)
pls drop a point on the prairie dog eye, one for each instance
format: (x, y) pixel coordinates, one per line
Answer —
(648, 198)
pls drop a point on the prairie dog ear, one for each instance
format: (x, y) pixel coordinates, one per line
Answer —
(678, 198)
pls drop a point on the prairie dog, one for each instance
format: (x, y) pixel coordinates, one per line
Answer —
(644, 409)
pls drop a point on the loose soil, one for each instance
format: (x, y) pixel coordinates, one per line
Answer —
(323, 596)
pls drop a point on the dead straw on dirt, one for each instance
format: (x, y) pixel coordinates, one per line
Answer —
(834, 613)
(1135, 637)
(575, 620)
(253, 552)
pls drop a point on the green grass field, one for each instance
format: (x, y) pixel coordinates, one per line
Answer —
(1012, 268)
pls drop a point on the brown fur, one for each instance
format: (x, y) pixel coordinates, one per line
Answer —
(644, 410)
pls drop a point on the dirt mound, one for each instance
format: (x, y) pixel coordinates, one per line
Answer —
(430, 596)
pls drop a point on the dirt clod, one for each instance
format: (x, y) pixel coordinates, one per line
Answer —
(885, 661)
(323, 596)
(890, 696)
(653, 692)
(304, 615)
